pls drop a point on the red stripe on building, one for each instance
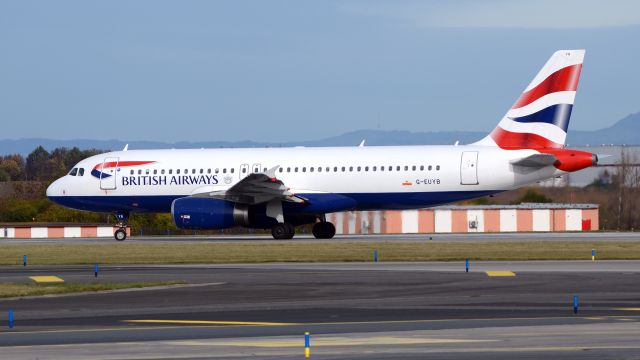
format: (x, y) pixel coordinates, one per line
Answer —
(524, 219)
(459, 221)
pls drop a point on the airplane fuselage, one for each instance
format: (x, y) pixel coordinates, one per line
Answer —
(375, 177)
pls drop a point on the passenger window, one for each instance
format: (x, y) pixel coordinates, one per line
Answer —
(437, 167)
(374, 168)
(288, 169)
(430, 167)
(162, 171)
(178, 171)
(280, 170)
(217, 170)
(406, 168)
(208, 171)
(146, 172)
(327, 169)
(131, 172)
(224, 170)
(244, 170)
(366, 168)
(421, 167)
(397, 168)
(155, 171)
(390, 168)
(319, 168)
(350, 168)
(73, 172)
(232, 170)
(295, 170)
(381, 168)
(170, 171)
(201, 171)
(343, 169)
(413, 168)
(193, 171)
(335, 169)
(304, 169)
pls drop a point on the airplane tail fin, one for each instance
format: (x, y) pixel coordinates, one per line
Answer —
(540, 116)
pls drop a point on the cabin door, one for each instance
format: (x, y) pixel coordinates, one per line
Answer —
(108, 173)
(469, 168)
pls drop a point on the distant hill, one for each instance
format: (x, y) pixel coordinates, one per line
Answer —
(624, 132)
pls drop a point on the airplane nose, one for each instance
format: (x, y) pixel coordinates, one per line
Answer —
(54, 189)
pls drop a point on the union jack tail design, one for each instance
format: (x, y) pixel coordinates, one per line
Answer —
(540, 116)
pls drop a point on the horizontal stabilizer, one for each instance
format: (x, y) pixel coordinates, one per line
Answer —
(535, 160)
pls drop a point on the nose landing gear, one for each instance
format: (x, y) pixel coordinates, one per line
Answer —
(121, 233)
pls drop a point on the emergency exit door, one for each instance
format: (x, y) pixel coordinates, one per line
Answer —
(469, 168)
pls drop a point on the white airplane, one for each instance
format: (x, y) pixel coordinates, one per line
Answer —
(279, 188)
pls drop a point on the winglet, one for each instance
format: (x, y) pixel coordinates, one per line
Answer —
(126, 147)
(362, 143)
(271, 173)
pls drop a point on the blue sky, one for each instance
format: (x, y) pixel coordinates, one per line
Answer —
(303, 70)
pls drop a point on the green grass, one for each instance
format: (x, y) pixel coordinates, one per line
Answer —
(313, 251)
(15, 290)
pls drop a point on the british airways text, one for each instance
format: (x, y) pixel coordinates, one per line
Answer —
(154, 180)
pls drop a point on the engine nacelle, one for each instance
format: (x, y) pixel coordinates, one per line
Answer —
(203, 213)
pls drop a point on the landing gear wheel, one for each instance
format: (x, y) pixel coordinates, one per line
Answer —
(120, 234)
(323, 230)
(282, 231)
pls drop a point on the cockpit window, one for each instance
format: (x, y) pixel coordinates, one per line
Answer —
(73, 172)
(80, 171)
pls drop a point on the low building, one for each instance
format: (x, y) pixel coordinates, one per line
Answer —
(36, 231)
(464, 219)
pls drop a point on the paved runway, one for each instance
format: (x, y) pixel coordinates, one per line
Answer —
(354, 310)
(458, 237)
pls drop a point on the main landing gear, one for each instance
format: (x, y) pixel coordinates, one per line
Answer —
(283, 231)
(121, 233)
(323, 230)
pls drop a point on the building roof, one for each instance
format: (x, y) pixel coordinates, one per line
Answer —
(522, 206)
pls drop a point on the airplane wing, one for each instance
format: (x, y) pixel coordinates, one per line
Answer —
(255, 188)
(535, 160)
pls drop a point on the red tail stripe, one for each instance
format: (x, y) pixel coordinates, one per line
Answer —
(515, 141)
(565, 79)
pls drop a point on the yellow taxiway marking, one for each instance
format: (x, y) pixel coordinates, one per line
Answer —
(46, 279)
(329, 341)
(500, 273)
(207, 322)
(628, 309)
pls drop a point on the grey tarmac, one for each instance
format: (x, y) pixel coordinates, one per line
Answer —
(353, 310)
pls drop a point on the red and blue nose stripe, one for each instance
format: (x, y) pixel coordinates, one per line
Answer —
(114, 164)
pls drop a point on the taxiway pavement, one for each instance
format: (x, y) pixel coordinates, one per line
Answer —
(355, 310)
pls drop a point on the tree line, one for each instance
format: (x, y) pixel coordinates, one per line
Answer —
(42, 165)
